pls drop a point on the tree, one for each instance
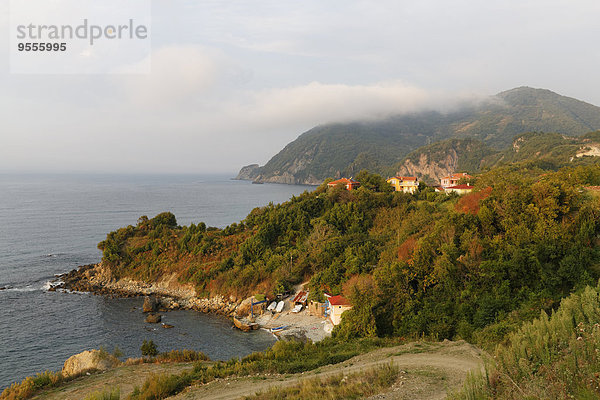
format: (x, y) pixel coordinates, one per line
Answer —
(149, 348)
(164, 219)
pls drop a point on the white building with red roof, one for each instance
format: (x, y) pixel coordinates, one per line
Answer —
(453, 179)
(459, 189)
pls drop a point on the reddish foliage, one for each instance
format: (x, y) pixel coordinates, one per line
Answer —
(406, 249)
(469, 203)
(363, 283)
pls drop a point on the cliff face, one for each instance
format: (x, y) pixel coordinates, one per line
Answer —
(432, 162)
(429, 170)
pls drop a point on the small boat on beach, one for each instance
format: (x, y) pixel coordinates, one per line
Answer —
(280, 306)
(278, 329)
(244, 326)
(272, 306)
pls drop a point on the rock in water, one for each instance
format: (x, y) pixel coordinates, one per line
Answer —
(153, 318)
(89, 360)
(150, 304)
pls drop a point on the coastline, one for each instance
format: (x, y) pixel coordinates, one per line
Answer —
(173, 295)
(170, 294)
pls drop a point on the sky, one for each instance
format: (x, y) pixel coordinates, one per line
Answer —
(232, 82)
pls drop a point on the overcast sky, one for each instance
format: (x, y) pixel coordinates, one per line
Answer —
(233, 82)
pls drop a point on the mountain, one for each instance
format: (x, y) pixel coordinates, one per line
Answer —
(343, 149)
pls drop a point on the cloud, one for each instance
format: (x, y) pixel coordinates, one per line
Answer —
(319, 103)
(179, 74)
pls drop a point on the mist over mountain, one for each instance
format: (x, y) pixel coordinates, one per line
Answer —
(343, 149)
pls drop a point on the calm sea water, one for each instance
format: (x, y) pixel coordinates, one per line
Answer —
(52, 224)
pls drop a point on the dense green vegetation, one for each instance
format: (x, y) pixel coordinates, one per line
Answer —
(347, 148)
(472, 267)
(553, 357)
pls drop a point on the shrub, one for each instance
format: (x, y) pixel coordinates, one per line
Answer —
(111, 394)
(31, 385)
(160, 387)
(553, 357)
(149, 348)
(182, 356)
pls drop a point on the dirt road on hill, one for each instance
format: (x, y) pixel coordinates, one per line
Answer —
(428, 370)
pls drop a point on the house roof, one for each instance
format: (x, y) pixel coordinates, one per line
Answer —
(463, 186)
(344, 181)
(301, 297)
(339, 301)
(404, 178)
(458, 175)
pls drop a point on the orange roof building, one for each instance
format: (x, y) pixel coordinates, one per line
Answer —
(452, 180)
(350, 184)
(406, 184)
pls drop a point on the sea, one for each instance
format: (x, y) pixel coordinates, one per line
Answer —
(51, 224)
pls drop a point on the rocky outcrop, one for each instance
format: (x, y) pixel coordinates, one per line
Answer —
(248, 173)
(254, 173)
(89, 360)
(169, 293)
(150, 304)
(423, 167)
(153, 318)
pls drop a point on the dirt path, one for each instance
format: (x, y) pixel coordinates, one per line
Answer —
(126, 378)
(427, 372)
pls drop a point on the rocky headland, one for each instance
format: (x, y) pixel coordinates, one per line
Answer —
(168, 292)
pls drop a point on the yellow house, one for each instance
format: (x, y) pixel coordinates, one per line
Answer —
(406, 184)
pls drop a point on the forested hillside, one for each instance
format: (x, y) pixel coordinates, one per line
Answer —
(470, 267)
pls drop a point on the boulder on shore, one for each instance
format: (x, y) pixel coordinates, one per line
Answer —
(89, 360)
(153, 318)
(150, 304)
